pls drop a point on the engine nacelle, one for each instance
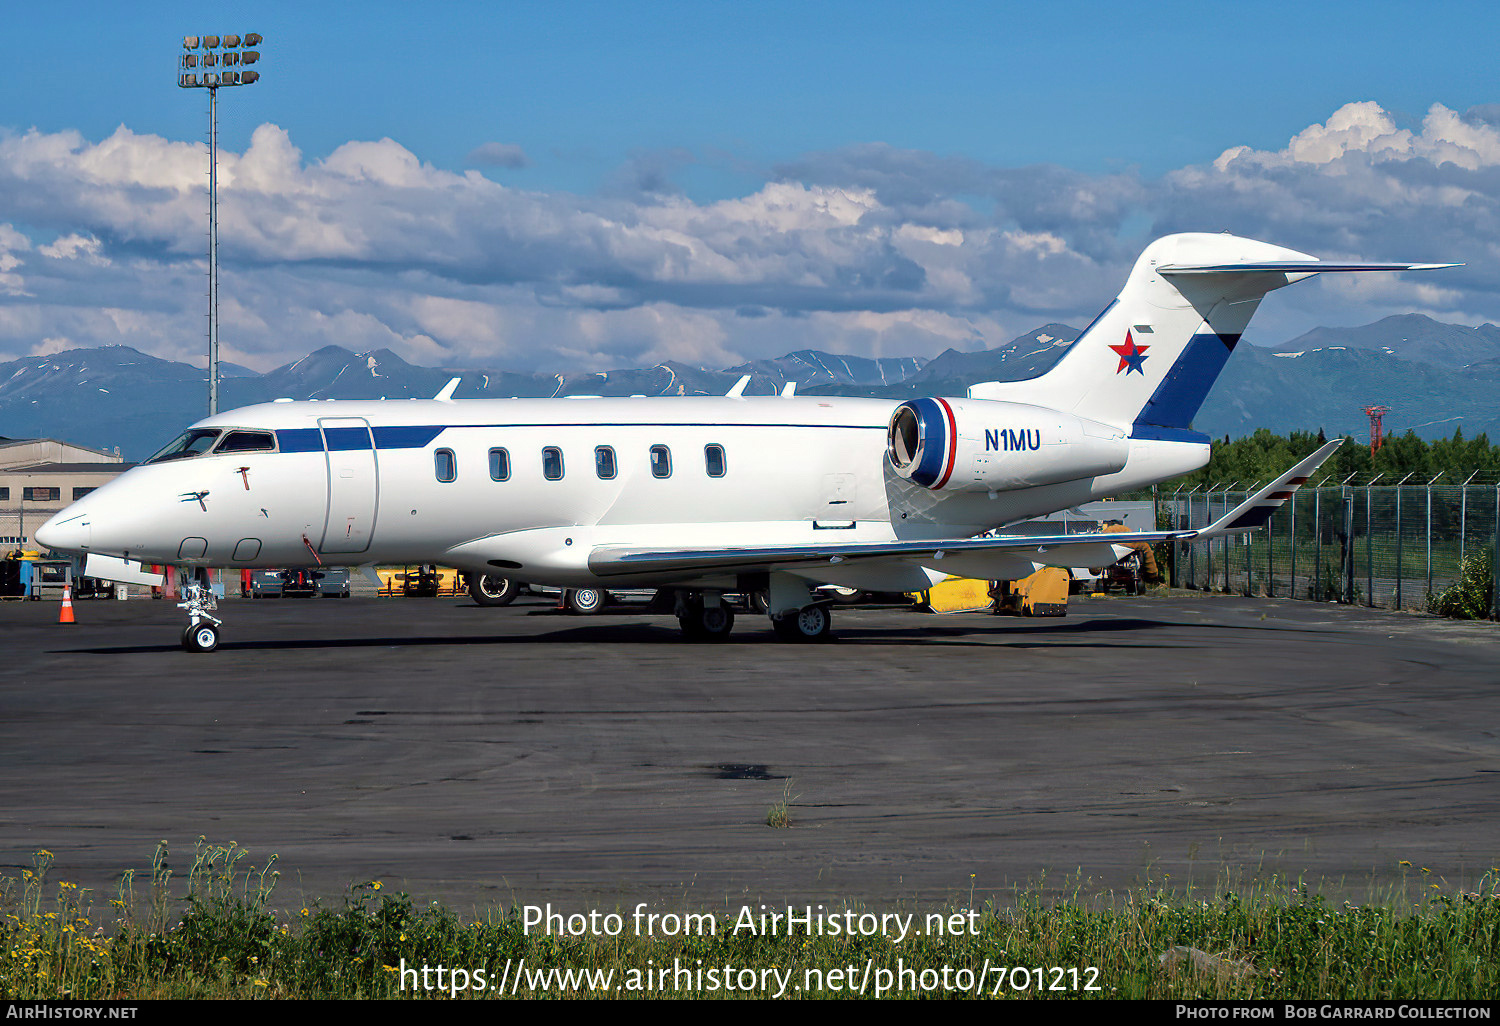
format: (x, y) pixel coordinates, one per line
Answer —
(975, 445)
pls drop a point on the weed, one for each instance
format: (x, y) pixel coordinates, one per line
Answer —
(779, 816)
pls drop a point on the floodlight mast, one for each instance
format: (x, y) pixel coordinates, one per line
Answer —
(215, 52)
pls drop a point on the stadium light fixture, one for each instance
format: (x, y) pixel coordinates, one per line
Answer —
(205, 63)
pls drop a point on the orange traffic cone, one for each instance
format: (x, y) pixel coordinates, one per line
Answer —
(66, 615)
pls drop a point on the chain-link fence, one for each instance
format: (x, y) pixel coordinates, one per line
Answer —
(1375, 546)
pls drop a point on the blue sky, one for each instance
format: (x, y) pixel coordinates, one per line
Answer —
(1053, 139)
(583, 86)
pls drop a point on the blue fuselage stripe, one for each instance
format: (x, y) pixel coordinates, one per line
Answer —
(345, 439)
(422, 435)
(299, 440)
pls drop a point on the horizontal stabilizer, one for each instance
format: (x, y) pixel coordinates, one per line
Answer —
(1293, 267)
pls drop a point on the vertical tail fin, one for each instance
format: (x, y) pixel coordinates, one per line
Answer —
(1146, 363)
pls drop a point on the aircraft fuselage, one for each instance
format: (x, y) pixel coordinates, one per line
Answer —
(527, 487)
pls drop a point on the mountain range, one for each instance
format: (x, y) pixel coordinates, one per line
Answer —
(1434, 377)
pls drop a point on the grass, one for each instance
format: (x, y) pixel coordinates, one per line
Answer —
(779, 816)
(216, 934)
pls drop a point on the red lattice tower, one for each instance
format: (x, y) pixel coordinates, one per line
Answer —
(1377, 435)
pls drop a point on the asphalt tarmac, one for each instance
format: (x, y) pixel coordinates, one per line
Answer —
(487, 756)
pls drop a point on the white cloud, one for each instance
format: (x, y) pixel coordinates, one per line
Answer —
(868, 249)
(74, 246)
(11, 243)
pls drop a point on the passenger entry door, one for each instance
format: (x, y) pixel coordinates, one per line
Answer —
(353, 484)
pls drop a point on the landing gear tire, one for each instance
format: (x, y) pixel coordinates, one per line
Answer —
(489, 590)
(707, 623)
(585, 601)
(810, 623)
(203, 637)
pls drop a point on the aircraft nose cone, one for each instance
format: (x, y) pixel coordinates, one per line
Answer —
(69, 531)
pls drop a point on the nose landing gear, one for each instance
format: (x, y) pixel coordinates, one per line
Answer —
(202, 631)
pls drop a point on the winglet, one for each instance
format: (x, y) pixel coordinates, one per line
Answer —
(1257, 510)
(445, 394)
(738, 388)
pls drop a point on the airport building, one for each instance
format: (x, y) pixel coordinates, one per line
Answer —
(39, 476)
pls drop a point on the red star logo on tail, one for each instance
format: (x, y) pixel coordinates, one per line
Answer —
(1131, 356)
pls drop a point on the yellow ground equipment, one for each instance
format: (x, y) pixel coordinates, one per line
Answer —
(1044, 593)
(955, 595)
(420, 581)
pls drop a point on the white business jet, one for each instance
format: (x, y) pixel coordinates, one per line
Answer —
(704, 496)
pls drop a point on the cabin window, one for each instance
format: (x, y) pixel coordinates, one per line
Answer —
(247, 441)
(552, 463)
(187, 445)
(661, 461)
(445, 466)
(604, 462)
(499, 465)
(713, 460)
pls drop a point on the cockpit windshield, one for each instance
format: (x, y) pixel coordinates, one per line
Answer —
(187, 445)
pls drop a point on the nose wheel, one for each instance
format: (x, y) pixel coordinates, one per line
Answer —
(202, 631)
(202, 638)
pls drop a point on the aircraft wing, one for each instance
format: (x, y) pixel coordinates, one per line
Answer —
(1050, 550)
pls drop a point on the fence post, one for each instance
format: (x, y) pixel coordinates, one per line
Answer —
(1495, 562)
(1270, 550)
(1211, 548)
(1347, 570)
(1399, 490)
(1292, 538)
(1429, 536)
(1192, 552)
(1463, 524)
(1249, 574)
(1369, 550)
(1317, 582)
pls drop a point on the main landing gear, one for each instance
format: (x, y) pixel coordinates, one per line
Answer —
(202, 631)
(810, 623)
(794, 616)
(704, 617)
(786, 599)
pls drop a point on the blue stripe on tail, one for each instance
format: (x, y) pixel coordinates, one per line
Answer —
(1178, 398)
